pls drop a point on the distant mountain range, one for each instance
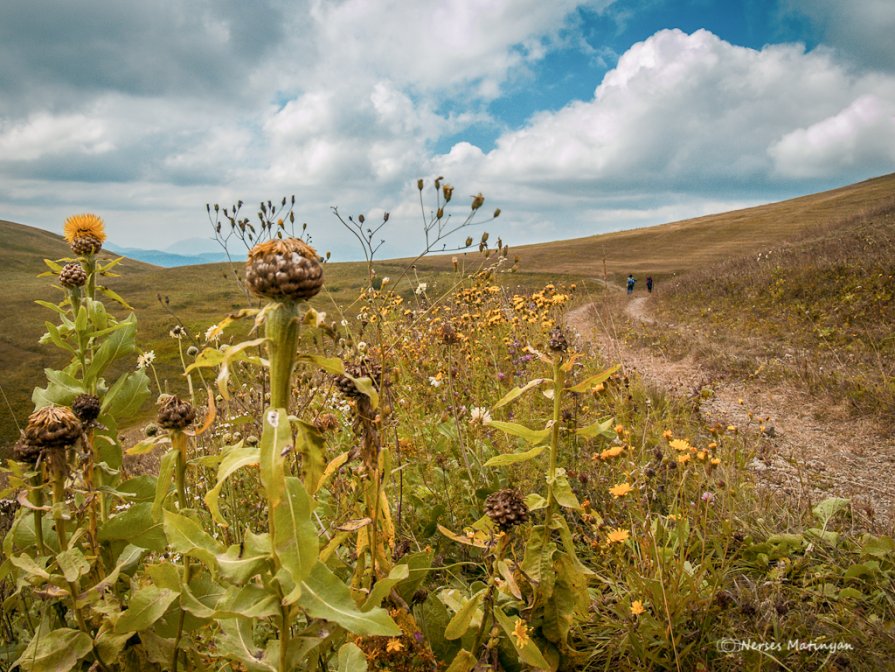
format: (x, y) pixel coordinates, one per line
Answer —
(183, 253)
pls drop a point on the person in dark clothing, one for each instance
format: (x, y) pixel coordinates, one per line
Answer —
(649, 284)
(631, 281)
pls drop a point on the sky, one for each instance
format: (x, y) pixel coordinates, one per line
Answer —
(574, 118)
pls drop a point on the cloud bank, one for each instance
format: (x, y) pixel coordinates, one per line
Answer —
(144, 113)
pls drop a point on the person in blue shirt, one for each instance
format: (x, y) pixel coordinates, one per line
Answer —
(631, 281)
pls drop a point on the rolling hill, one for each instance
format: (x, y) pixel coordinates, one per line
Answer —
(677, 247)
(200, 295)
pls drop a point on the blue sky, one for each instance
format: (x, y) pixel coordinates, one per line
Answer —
(573, 117)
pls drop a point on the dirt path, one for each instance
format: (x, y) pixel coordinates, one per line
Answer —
(805, 454)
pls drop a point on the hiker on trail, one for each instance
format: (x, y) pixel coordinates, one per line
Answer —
(631, 281)
(649, 284)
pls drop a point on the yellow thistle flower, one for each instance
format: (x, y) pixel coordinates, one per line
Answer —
(618, 536)
(394, 645)
(620, 490)
(637, 608)
(683, 459)
(79, 226)
(680, 444)
(520, 632)
(715, 461)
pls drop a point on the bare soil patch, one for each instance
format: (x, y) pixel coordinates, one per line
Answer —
(809, 451)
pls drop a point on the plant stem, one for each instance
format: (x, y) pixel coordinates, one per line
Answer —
(180, 443)
(558, 381)
(281, 329)
(37, 497)
(57, 473)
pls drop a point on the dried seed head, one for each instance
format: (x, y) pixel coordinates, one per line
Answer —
(85, 233)
(449, 335)
(364, 368)
(86, 407)
(53, 427)
(72, 275)
(506, 508)
(558, 341)
(326, 422)
(284, 270)
(25, 452)
(175, 413)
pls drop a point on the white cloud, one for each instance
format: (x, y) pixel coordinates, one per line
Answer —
(861, 135)
(694, 112)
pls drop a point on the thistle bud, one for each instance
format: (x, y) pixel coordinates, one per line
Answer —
(478, 201)
(284, 270)
(506, 508)
(419, 184)
(175, 413)
(72, 275)
(448, 192)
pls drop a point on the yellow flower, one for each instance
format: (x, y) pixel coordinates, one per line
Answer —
(667, 435)
(619, 429)
(680, 444)
(618, 536)
(715, 461)
(637, 608)
(520, 632)
(615, 451)
(620, 490)
(394, 645)
(78, 226)
(683, 459)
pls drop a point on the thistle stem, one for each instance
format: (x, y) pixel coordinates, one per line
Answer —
(57, 473)
(180, 443)
(558, 382)
(281, 329)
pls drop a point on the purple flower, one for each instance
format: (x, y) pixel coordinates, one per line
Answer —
(708, 497)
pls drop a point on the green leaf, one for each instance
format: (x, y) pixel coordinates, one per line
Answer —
(332, 365)
(591, 381)
(237, 641)
(56, 651)
(384, 586)
(562, 490)
(828, 508)
(61, 390)
(242, 561)
(514, 458)
(164, 482)
(146, 606)
(137, 526)
(351, 659)
(127, 396)
(323, 595)
(114, 296)
(109, 645)
(877, 546)
(464, 661)
(603, 428)
(529, 654)
(186, 536)
(250, 601)
(532, 436)
(535, 502)
(310, 444)
(73, 564)
(54, 335)
(461, 621)
(213, 357)
(295, 537)
(276, 442)
(119, 344)
(517, 392)
(234, 458)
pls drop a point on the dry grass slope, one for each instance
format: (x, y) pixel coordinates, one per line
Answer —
(678, 247)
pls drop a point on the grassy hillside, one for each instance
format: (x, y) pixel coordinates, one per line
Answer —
(819, 309)
(678, 247)
(201, 295)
